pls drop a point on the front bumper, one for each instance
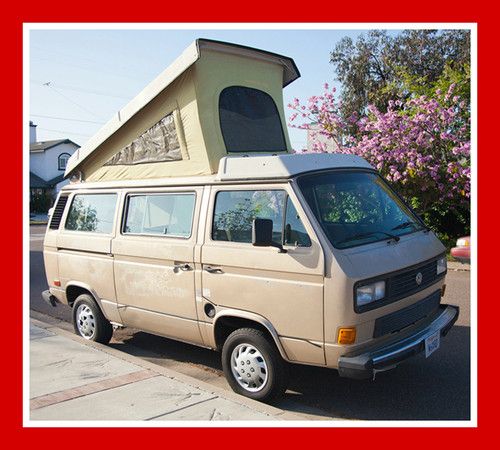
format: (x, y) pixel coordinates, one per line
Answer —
(365, 364)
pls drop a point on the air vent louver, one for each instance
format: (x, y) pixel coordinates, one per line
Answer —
(58, 212)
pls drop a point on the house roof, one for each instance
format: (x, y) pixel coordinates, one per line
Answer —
(55, 180)
(36, 182)
(45, 145)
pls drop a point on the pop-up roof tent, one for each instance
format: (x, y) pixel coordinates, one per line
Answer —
(217, 99)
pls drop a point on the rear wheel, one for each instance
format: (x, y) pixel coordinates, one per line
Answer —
(253, 366)
(89, 321)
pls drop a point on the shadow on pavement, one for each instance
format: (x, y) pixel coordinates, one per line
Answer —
(437, 388)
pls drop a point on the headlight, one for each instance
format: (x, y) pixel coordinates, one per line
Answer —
(462, 242)
(370, 292)
(441, 265)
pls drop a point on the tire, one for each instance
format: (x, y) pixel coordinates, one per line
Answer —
(89, 321)
(262, 373)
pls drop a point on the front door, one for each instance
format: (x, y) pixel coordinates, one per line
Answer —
(284, 288)
(154, 264)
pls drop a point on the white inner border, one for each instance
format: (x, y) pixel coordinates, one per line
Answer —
(27, 27)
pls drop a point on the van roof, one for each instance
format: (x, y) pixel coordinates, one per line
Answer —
(247, 168)
(191, 55)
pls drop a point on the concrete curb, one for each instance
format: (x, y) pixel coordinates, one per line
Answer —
(169, 373)
(458, 266)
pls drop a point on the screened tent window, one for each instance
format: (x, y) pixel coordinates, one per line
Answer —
(92, 212)
(250, 121)
(236, 210)
(160, 214)
(62, 161)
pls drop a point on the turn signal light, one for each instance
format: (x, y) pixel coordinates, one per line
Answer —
(347, 336)
(57, 283)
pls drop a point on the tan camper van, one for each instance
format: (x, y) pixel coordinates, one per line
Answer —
(189, 217)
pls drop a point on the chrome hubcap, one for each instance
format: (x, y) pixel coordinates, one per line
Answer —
(85, 321)
(249, 367)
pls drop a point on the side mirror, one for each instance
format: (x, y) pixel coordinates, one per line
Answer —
(262, 234)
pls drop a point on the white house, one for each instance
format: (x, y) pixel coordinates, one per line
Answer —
(48, 161)
(314, 136)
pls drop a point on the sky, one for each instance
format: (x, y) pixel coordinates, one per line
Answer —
(91, 74)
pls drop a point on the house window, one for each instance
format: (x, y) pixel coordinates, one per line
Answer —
(62, 161)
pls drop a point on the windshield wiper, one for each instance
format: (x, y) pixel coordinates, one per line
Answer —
(408, 224)
(371, 233)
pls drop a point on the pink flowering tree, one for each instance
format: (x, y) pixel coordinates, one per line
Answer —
(421, 145)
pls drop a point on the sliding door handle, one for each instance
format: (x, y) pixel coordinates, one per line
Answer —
(213, 269)
(184, 267)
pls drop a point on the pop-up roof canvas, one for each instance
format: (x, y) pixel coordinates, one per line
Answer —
(217, 99)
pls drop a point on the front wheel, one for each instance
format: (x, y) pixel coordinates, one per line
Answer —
(253, 366)
(89, 321)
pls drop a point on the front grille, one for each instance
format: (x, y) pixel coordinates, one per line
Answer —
(405, 317)
(404, 284)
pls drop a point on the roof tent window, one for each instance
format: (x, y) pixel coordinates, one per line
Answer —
(157, 144)
(250, 121)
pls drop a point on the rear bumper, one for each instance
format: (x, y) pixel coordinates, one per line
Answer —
(366, 364)
(49, 298)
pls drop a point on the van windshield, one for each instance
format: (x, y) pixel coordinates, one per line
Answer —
(356, 208)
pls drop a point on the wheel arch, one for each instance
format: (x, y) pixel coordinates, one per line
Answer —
(229, 320)
(75, 288)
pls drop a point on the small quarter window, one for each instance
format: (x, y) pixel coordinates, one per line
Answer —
(92, 212)
(250, 121)
(295, 233)
(160, 214)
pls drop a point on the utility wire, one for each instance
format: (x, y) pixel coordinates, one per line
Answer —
(49, 85)
(66, 118)
(65, 132)
(87, 91)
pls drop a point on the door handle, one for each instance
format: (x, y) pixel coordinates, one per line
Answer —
(183, 266)
(210, 269)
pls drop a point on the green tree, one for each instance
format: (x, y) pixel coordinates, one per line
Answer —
(379, 67)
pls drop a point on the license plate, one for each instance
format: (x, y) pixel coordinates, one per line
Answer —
(432, 343)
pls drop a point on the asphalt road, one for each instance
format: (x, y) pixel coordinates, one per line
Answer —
(437, 388)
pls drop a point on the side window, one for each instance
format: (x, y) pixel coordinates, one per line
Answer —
(235, 211)
(160, 214)
(92, 212)
(295, 233)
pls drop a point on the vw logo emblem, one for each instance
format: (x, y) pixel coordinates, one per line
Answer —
(418, 278)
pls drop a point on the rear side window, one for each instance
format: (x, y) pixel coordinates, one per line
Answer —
(250, 121)
(160, 214)
(236, 210)
(92, 212)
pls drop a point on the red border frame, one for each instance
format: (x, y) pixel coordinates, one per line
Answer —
(224, 11)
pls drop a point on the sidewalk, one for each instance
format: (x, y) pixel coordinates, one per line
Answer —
(73, 379)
